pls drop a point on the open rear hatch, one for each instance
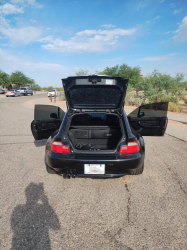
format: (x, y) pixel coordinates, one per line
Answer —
(95, 92)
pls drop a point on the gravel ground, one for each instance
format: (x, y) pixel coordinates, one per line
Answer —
(42, 211)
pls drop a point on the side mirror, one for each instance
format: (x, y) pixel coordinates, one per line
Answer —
(53, 115)
(141, 114)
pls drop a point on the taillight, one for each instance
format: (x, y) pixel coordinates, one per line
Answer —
(12, 92)
(130, 148)
(57, 147)
(5, 92)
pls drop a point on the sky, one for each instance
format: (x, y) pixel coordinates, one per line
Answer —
(52, 39)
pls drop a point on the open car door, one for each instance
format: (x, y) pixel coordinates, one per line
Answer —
(47, 119)
(149, 119)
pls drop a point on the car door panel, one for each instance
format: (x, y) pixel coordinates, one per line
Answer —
(44, 123)
(154, 119)
(43, 129)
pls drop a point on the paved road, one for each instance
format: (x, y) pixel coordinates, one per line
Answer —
(42, 211)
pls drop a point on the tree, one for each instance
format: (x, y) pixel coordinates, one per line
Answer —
(4, 79)
(31, 81)
(181, 85)
(82, 72)
(49, 88)
(125, 71)
(163, 86)
(18, 77)
(35, 87)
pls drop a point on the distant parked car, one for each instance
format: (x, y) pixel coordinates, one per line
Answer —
(26, 91)
(12, 92)
(2, 91)
(52, 92)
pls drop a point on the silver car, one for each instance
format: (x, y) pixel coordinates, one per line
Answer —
(25, 91)
(2, 91)
(12, 92)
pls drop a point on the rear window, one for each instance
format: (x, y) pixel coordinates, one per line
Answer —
(11, 89)
(51, 90)
(89, 95)
(95, 120)
(23, 88)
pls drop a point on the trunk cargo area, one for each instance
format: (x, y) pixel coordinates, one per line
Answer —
(95, 131)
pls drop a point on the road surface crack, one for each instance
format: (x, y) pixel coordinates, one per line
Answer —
(116, 243)
(175, 178)
(128, 204)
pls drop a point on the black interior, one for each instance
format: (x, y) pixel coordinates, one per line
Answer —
(101, 130)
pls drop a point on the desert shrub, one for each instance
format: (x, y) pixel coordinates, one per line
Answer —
(163, 98)
(173, 107)
(61, 96)
(184, 98)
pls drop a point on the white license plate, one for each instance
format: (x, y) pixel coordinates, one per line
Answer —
(94, 168)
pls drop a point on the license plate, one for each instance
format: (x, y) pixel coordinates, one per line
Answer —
(94, 168)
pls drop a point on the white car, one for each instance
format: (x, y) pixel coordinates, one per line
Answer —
(25, 91)
(52, 92)
(12, 92)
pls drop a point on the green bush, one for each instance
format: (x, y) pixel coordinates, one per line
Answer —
(184, 98)
(163, 98)
(173, 107)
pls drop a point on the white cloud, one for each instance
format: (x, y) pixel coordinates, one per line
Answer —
(8, 8)
(157, 17)
(112, 60)
(158, 58)
(177, 11)
(108, 26)
(4, 22)
(167, 32)
(141, 5)
(15, 62)
(28, 2)
(181, 32)
(23, 1)
(23, 35)
(32, 20)
(46, 39)
(87, 41)
(43, 73)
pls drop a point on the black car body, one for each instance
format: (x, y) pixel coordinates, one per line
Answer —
(95, 137)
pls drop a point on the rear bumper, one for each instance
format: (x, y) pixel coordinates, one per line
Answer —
(115, 165)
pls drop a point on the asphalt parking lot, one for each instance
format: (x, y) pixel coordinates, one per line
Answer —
(42, 211)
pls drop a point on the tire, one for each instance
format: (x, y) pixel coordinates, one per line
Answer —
(6, 95)
(31, 93)
(49, 170)
(136, 171)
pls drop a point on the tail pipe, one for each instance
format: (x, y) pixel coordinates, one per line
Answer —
(70, 173)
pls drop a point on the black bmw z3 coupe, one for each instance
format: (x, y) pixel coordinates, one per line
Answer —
(95, 137)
